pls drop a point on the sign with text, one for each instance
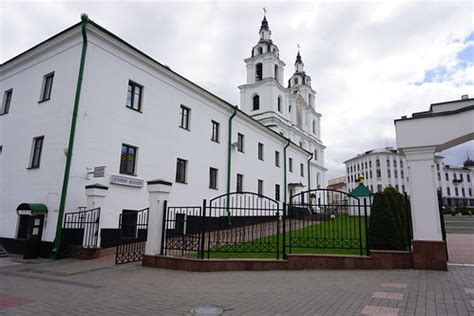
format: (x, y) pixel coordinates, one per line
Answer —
(131, 182)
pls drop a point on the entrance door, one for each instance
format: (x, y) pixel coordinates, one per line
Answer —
(33, 236)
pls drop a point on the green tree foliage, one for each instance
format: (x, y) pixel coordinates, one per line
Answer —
(390, 221)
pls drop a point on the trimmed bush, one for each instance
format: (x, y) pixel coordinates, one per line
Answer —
(383, 233)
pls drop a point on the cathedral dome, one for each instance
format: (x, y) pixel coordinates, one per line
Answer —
(468, 163)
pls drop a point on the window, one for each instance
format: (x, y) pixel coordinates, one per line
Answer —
(403, 186)
(454, 176)
(276, 72)
(279, 103)
(370, 174)
(295, 81)
(260, 187)
(351, 168)
(395, 173)
(260, 50)
(396, 187)
(439, 176)
(181, 169)
(437, 166)
(456, 191)
(7, 99)
(468, 178)
(401, 163)
(460, 176)
(258, 72)
(215, 131)
(128, 159)
(470, 192)
(366, 165)
(394, 163)
(379, 188)
(301, 170)
(36, 149)
(1, 149)
(290, 164)
(370, 163)
(277, 192)
(134, 96)
(448, 190)
(277, 158)
(358, 167)
(379, 174)
(47, 87)
(213, 178)
(260, 151)
(314, 126)
(377, 163)
(240, 142)
(463, 192)
(388, 162)
(446, 176)
(185, 113)
(402, 174)
(240, 183)
(315, 154)
(256, 102)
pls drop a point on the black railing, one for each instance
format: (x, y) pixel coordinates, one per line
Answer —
(327, 219)
(133, 232)
(80, 230)
(246, 224)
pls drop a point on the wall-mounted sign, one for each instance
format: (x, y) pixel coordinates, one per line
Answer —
(131, 182)
(99, 172)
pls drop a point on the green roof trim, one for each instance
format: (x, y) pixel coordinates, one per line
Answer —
(35, 208)
(361, 191)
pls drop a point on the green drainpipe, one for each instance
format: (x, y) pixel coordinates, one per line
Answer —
(285, 185)
(309, 173)
(67, 169)
(229, 162)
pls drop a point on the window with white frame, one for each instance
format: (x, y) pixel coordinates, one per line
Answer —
(47, 87)
(134, 96)
(36, 149)
(7, 99)
(185, 114)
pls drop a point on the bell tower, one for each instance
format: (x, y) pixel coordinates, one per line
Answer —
(300, 82)
(264, 89)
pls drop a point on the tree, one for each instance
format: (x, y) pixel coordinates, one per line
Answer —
(383, 232)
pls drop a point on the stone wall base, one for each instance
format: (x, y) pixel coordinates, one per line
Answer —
(429, 255)
(377, 260)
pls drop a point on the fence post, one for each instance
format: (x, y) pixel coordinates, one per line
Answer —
(366, 229)
(284, 230)
(158, 193)
(95, 197)
(360, 228)
(278, 234)
(163, 226)
(203, 229)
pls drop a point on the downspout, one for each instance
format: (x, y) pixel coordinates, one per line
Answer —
(285, 185)
(309, 173)
(229, 162)
(72, 132)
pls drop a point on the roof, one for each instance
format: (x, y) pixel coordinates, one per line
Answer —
(386, 150)
(34, 208)
(361, 191)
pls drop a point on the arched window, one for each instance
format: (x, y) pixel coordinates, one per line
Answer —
(301, 144)
(295, 81)
(318, 180)
(310, 99)
(256, 102)
(258, 72)
(260, 50)
(276, 72)
(279, 103)
(314, 126)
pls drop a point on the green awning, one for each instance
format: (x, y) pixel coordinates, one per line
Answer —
(32, 208)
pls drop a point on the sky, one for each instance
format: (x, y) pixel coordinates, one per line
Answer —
(370, 61)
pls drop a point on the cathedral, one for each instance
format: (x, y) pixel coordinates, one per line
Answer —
(289, 111)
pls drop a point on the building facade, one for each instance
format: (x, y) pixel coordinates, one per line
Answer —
(85, 108)
(384, 167)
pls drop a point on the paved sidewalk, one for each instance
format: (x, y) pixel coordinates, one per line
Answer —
(76, 287)
(461, 248)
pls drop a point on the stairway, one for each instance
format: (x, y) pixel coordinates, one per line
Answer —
(3, 252)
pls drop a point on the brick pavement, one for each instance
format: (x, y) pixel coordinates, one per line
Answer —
(461, 248)
(98, 287)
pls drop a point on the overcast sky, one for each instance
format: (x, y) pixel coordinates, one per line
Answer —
(370, 62)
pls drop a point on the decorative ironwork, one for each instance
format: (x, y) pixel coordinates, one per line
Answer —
(132, 236)
(326, 219)
(80, 230)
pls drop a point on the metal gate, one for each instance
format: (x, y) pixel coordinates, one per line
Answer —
(132, 236)
(80, 230)
(326, 219)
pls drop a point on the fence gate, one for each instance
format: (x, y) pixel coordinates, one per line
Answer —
(132, 236)
(80, 230)
(329, 219)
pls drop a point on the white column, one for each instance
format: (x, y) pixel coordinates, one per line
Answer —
(96, 194)
(158, 192)
(423, 196)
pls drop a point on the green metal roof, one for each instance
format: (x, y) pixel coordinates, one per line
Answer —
(361, 190)
(35, 208)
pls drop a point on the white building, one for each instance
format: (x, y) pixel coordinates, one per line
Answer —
(381, 167)
(86, 99)
(386, 167)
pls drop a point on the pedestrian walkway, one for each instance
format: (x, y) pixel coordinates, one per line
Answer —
(76, 287)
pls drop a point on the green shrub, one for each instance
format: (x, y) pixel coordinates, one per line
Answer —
(383, 233)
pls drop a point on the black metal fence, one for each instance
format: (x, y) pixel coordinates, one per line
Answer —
(133, 232)
(80, 230)
(327, 219)
(245, 224)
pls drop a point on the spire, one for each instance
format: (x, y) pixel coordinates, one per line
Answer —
(264, 24)
(299, 62)
(265, 32)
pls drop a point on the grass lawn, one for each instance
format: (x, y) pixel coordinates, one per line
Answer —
(338, 236)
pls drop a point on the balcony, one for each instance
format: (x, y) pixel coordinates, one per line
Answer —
(456, 181)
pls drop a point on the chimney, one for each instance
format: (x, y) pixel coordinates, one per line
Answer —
(464, 97)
